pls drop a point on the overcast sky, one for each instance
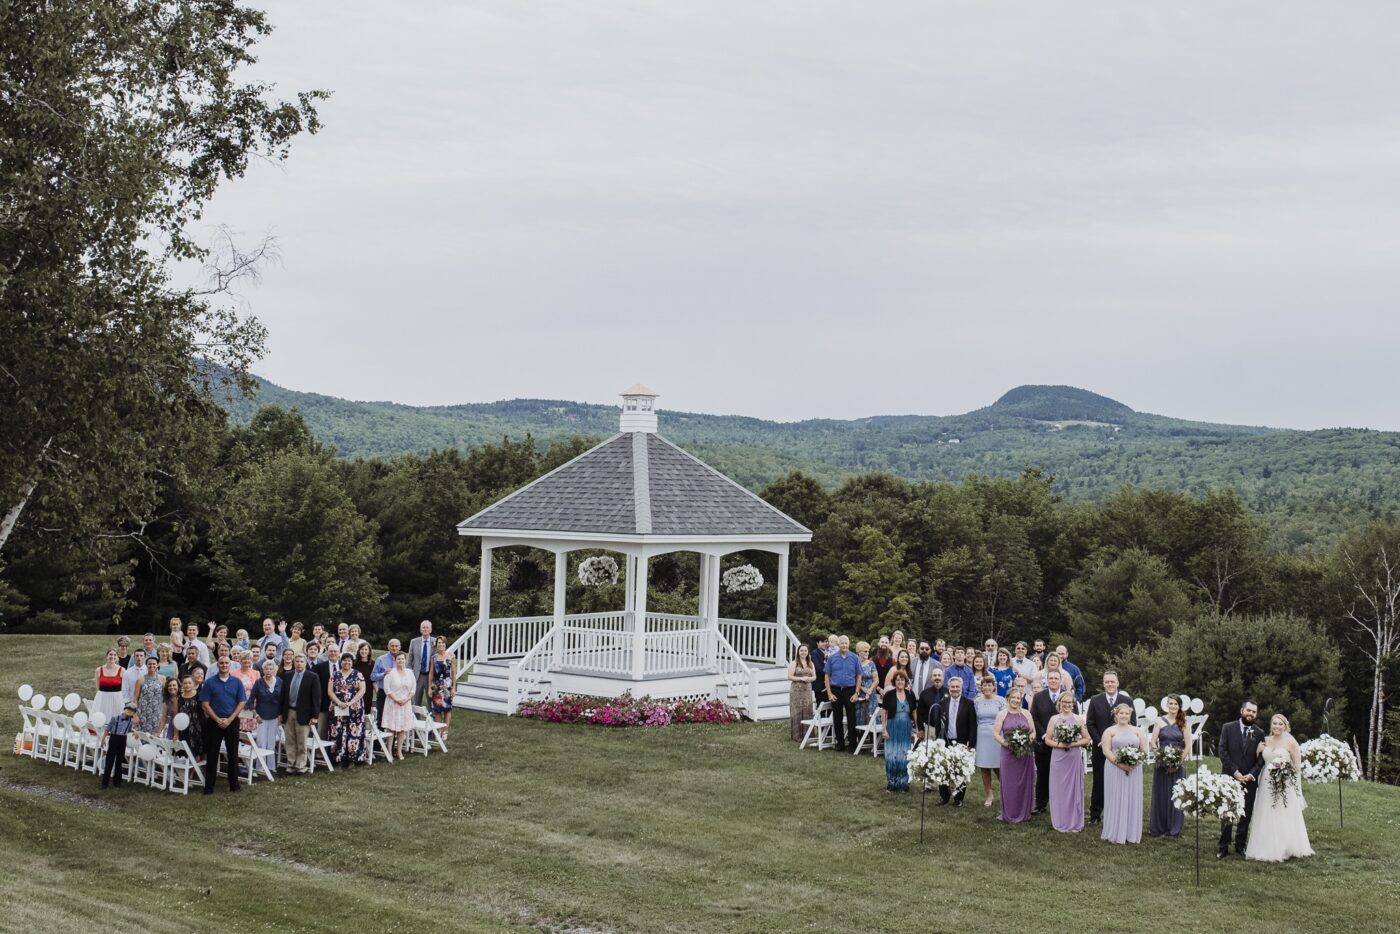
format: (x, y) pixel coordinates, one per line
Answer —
(803, 209)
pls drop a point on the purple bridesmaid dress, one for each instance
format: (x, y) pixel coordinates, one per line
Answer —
(1017, 775)
(1066, 784)
(1122, 797)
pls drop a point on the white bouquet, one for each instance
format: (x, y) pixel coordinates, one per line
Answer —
(743, 579)
(940, 763)
(597, 571)
(1207, 794)
(1326, 759)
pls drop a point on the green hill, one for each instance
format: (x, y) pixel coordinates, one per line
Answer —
(1310, 482)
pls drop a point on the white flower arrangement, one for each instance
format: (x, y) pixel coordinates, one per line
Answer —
(743, 579)
(597, 571)
(1207, 794)
(1327, 759)
(939, 763)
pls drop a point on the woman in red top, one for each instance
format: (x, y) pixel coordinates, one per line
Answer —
(108, 702)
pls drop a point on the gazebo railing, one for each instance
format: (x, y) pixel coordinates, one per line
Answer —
(596, 650)
(754, 640)
(741, 680)
(676, 651)
(515, 637)
(527, 673)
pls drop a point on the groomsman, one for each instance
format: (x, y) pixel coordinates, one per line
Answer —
(957, 723)
(921, 670)
(1240, 759)
(1098, 719)
(1042, 712)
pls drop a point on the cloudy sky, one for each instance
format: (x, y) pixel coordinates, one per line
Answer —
(798, 209)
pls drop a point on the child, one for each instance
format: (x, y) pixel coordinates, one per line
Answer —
(115, 740)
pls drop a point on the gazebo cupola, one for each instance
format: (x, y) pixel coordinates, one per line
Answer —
(639, 496)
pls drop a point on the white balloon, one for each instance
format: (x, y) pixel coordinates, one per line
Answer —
(1139, 704)
(147, 752)
(1185, 701)
(182, 721)
(1197, 705)
(25, 692)
(80, 718)
(72, 702)
(39, 701)
(1150, 713)
(55, 703)
(1163, 702)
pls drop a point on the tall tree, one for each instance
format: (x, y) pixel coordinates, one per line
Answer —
(118, 120)
(1366, 576)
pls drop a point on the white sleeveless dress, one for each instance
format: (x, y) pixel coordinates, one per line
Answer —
(1277, 831)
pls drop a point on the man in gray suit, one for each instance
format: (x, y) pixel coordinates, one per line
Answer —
(420, 660)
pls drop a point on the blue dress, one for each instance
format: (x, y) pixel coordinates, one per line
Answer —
(988, 752)
(1005, 678)
(901, 730)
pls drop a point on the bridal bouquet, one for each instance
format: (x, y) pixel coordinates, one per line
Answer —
(940, 763)
(1327, 759)
(1067, 734)
(1130, 756)
(1019, 742)
(1207, 794)
(1169, 757)
(1282, 777)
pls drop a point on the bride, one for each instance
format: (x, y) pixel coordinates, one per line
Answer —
(1277, 832)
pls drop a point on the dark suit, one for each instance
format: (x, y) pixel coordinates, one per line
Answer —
(965, 734)
(322, 670)
(1098, 719)
(1239, 752)
(921, 673)
(930, 710)
(309, 700)
(417, 648)
(1042, 712)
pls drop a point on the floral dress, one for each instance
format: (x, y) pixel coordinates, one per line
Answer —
(440, 700)
(869, 709)
(149, 704)
(347, 732)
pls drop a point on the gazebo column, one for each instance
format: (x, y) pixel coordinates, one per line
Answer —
(561, 583)
(782, 646)
(484, 603)
(638, 586)
(702, 611)
(712, 606)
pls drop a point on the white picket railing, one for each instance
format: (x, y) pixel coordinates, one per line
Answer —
(527, 672)
(755, 641)
(601, 622)
(514, 637)
(741, 680)
(671, 622)
(675, 652)
(464, 649)
(596, 650)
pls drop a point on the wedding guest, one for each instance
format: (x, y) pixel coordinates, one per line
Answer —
(364, 664)
(1076, 676)
(867, 698)
(1024, 666)
(148, 646)
(444, 685)
(1239, 758)
(222, 698)
(884, 664)
(147, 696)
(980, 669)
(420, 660)
(133, 675)
(1003, 672)
(193, 733)
(833, 644)
(124, 659)
(107, 703)
(939, 647)
(300, 705)
(922, 669)
(988, 707)
(957, 723)
(241, 641)
(1171, 730)
(1017, 773)
(1066, 767)
(249, 675)
(344, 643)
(901, 663)
(285, 668)
(962, 672)
(897, 727)
(325, 668)
(989, 652)
(189, 660)
(266, 702)
(1052, 663)
(801, 676)
(170, 706)
(297, 643)
(843, 682)
(398, 707)
(1045, 706)
(1098, 719)
(1122, 794)
(347, 714)
(114, 738)
(165, 662)
(897, 643)
(1038, 653)
(819, 663)
(382, 666)
(272, 642)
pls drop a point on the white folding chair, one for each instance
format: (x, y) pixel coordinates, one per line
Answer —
(818, 727)
(29, 731)
(183, 768)
(318, 747)
(376, 738)
(254, 759)
(72, 743)
(90, 748)
(870, 732)
(426, 731)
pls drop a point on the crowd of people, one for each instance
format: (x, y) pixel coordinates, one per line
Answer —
(280, 684)
(1024, 714)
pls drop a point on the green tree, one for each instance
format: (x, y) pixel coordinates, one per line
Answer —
(1123, 600)
(878, 591)
(118, 120)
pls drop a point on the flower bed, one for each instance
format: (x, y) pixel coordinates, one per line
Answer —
(625, 711)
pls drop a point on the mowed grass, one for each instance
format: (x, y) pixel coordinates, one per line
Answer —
(528, 826)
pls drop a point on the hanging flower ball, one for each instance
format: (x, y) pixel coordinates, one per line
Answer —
(597, 571)
(743, 579)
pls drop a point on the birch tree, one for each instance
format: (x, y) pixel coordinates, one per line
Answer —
(1368, 583)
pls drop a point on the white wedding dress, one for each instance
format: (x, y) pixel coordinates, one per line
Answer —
(1277, 831)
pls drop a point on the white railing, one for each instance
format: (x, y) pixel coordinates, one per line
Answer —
(671, 622)
(674, 652)
(741, 680)
(464, 649)
(602, 622)
(601, 651)
(754, 641)
(527, 672)
(513, 638)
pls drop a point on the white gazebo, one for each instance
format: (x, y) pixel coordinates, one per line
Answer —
(639, 496)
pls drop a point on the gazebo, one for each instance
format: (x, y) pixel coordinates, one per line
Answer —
(638, 496)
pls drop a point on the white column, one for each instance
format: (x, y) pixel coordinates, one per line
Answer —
(483, 615)
(712, 599)
(639, 616)
(630, 571)
(782, 654)
(561, 582)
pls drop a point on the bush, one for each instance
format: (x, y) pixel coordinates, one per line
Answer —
(626, 710)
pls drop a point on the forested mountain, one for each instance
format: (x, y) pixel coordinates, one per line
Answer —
(1310, 483)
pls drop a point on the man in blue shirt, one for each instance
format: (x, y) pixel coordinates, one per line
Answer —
(842, 682)
(277, 640)
(382, 666)
(1073, 671)
(222, 698)
(959, 669)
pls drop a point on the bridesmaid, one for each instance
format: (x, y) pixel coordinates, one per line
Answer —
(897, 721)
(1066, 769)
(802, 674)
(1122, 786)
(1164, 820)
(1017, 772)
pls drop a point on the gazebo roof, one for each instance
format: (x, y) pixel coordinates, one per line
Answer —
(636, 484)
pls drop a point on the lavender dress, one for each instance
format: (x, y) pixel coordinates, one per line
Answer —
(1122, 796)
(1017, 775)
(1066, 783)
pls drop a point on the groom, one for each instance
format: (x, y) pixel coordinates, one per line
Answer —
(1240, 759)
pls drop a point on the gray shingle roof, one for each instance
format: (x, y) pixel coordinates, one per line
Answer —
(636, 483)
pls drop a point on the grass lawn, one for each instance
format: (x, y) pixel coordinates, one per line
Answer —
(529, 826)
